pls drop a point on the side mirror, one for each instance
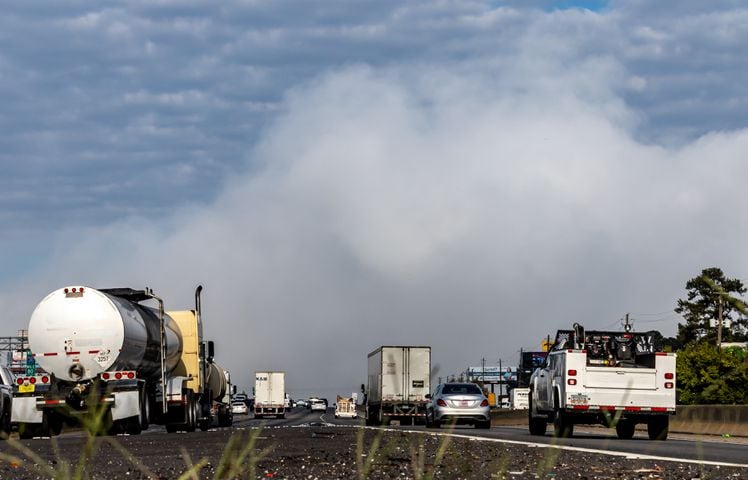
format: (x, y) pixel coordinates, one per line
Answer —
(363, 388)
(428, 395)
(233, 389)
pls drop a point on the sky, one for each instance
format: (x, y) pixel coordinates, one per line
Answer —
(340, 175)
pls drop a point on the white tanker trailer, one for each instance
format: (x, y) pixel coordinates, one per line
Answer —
(103, 348)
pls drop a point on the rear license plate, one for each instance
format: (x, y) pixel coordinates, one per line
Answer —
(26, 388)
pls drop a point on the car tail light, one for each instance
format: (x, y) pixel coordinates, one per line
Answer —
(441, 403)
(484, 403)
(572, 373)
(668, 384)
(669, 376)
(572, 381)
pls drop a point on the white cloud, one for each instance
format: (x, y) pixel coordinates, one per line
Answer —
(429, 207)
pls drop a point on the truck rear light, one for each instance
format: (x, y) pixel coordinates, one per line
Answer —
(669, 376)
(668, 384)
(484, 403)
(130, 375)
(441, 403)
(659, 409)
(572, 381)
(32, 380)
(661, 354)
(572, 373)
(19, 380)
(105, 375)
(118, 375)
(45, 379)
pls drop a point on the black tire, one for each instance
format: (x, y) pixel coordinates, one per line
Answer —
(133, 426)
(625, 429)
(5, 426)
(26, 431)
(55, 425)
(563, 427)
(145, 410)
(171, 428)
(429, 423)
(192, 409)
(658, 427)
(536, 425)
(43, 430)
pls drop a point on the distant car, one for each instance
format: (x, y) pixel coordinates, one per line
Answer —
(239, 408)
(301, 403)
(458, 403)
(318, 405)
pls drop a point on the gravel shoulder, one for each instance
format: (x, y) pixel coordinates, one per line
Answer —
(327, 452)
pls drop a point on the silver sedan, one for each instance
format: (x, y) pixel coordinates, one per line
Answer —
(458, 403)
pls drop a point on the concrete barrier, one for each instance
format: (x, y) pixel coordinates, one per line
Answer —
(698, 419)
(711, 420)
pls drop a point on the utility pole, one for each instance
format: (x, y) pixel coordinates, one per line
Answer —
(627, 326)
(483, 370)
(719, 322)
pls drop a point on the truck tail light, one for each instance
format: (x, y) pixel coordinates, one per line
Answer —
(45, 379)
(441, 403)
(668, 384)
(572, 373)
(572, 381)
(484, 403)
(130, 375)
(19, 380)
(105, 375)
(32, 380)
(669, 376)
(118, 375)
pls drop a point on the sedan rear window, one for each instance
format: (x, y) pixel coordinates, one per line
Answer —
(461, 389)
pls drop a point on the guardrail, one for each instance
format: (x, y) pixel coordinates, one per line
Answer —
(697, 419)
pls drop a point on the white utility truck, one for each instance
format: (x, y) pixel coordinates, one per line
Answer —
(617, 379)
(270, 394)
(399, 380)
(105, 349)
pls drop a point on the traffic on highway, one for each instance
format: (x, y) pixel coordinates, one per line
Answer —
(111, 366)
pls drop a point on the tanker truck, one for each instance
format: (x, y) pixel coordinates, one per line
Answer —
(105, 351)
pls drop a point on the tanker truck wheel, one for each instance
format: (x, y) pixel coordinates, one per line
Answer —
(191, 413)
(5, 423)
(26, 431)
(145, 410)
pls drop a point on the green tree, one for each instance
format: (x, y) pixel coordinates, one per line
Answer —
(708, 376)
(706, 294)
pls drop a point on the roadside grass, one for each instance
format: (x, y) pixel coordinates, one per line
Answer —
(238, 459)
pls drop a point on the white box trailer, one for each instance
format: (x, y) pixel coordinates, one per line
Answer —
(398, 382)
(519, 398)
(270, 394)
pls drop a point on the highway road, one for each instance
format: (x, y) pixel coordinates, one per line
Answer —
(701, 449)
(322, 444)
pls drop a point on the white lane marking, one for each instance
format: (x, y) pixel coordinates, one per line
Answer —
(613, 453)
